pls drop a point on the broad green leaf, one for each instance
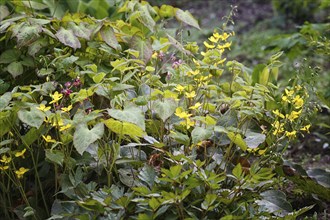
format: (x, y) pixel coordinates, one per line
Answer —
(148, 175)
(15, 69)
(55, 156)
(37, 45)
(124, 128)
(264, 76)
(166, 11)
(145, 18)
(108, 35)
(68, 38)
(82, 30)
(180, 138)
(28, 34)
(238, 140)
(143, 46)
(186, 17)
(274, 201)
(256, 73)
(33, 118)
(253, 139)
(32, 135)
(238, 171)
(4, 12)
(98, 77)
(164, 109)
(10, 56)
(321, 176)
(34, 5)
(83, 137)
(199, 134)
(129, 114)
(154, 203)
(4, 100)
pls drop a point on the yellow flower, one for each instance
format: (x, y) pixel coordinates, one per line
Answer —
(20, 153)
(291, 134)
(298, 102)
(188, 123)
(278, 128)
(179, 88)
(196, 106)
(56, 97)
(285, 99)
(289, 92)
(224, 46)
(298, 87)
(293, 115)
(21, 172)
(5, 159)
(48, 139)
(4, 167)
(58, 123)
(66, 127)
(43, 108)
(67, 109)
(213, 39)
(154, 55)
(182, 114)
(305, 128)
(278, 113)
(190, 94)
(193, 73)
(209, 46)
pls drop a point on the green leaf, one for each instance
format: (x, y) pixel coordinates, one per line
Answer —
(68, 38)
(180, 138)
(15, 69)
(166, 11)
(83, 137)
(4, 100)
(129, 114)
(238, 171)
(33, 118)
(256, 73)
(148, 175)
(10, 56)
(200, 134)
(55, 156)
(154, 203)
(165, 109)
(82, 30)
(143, 46)
(98, 77)
(34, 5)
(4, 12)
(175, 171)
(264, 76)
(186, 17)
(108, 35)
(274, 201)
(238, 140)
(124, 128)
(253, 139)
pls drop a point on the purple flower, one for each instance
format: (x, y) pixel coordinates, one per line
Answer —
(76, 82)
(67, 84)
(66, 92)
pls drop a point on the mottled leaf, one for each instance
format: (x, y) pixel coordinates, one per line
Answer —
(68, 38)
(186, 17)
(164, 109)
(83, 137)
(33, 118)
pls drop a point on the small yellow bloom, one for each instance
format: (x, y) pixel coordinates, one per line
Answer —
(190, 95)
(298, 87)
(298, 102)
(278, 113)
(5, 159)
(58, 123)
(48, 139)
(278, 128)
(20, 153)
(154, 55)
(289, 92)
(43, 108)
(293, 115)
(66, 127)
(291, 134)
(67, 109)
(285, 99)
(209, 46)
(196, 106)
(188, 123)
(224, 46)
(193, 73)
(56, 97)
(182, 114)
(4, 168)
(213, 39)
(305, 128)
(21, 172)
(179, 88)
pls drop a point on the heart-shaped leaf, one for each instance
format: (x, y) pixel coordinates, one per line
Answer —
(83, 137)
(186, 17)
(33, 118)
(68, 38)
(200, 134)
(165, 109)
(130, 114)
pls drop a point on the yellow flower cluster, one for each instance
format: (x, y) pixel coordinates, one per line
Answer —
(295, 103)
(185, 116)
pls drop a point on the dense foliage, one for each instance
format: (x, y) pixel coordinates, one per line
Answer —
(117, 118)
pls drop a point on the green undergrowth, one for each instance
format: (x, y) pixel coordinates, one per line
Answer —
(116, 119)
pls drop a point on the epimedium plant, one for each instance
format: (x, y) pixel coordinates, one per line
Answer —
(116, 118)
